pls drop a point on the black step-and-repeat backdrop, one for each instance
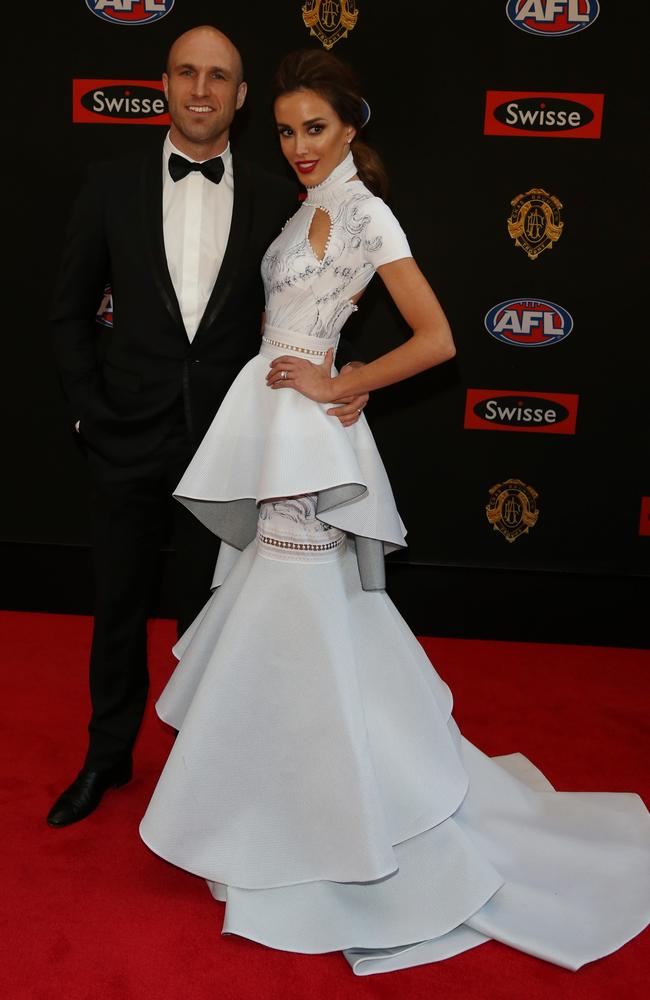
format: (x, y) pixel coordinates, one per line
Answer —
(512, 133)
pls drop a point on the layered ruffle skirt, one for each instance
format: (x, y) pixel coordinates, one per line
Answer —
(318, 781)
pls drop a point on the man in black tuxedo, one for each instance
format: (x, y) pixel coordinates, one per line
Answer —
(180, 238)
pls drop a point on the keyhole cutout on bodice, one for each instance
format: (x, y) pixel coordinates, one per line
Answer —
(319, 233)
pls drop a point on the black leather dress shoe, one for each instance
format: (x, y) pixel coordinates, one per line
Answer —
(85, 793)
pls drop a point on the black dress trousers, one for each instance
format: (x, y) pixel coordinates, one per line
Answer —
(133, 516)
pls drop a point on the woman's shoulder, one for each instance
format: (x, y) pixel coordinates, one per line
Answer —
(384, 238)
(370, 204)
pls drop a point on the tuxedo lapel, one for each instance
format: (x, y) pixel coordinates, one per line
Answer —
(237, 239)
(151, 196)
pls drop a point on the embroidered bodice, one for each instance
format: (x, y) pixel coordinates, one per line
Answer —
(314, 297)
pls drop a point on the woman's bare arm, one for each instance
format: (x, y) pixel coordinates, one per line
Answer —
(430, 344)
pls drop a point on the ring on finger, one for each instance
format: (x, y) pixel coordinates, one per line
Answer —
(284, 374)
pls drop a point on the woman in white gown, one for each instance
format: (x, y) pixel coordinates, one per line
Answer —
(318, 781)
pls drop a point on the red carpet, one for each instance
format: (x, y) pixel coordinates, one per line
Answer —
(88, 913)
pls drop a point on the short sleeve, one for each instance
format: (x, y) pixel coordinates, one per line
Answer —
(385, 240)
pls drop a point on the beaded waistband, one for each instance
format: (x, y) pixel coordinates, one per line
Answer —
(302, 546)
(286, 550)
(276, 341)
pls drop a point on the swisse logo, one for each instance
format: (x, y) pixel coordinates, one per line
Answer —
(552, 17)
(536, 113)
(130, 11)
(528, 322)
(119, 102)
(504, 410)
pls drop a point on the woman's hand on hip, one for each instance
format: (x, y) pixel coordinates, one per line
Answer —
(312, 381)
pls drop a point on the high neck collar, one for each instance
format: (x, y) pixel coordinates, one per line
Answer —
(322, 193)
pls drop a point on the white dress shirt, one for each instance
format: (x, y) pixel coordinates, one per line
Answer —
(196, 224)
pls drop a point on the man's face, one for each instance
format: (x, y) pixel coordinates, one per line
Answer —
(204, 89)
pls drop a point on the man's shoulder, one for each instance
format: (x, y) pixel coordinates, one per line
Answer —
(266, 180)
(124, 166)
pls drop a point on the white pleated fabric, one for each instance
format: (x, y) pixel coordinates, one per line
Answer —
(318, 781)
(320, 785)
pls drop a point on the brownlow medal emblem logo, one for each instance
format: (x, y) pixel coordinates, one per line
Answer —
(535, 223)
(512, 509)
(329, 20)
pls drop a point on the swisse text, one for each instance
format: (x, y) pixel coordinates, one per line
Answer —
(123, 103)
(507, 410)
(543, 114)
(525, 114)
(518, 413)
(119, 102)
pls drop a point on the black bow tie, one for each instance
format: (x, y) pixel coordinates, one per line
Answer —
(179, 167)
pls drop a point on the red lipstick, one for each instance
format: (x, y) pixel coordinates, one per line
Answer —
(306, 166)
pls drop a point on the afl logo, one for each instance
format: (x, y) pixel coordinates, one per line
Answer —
(552, 17)
(130, 11)
(528, 322)
(104, 314)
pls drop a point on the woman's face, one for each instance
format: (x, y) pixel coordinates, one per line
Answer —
(312, 136)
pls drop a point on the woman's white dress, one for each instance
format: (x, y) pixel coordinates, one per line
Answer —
(318, 781)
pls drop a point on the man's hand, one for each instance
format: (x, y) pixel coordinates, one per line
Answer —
(349, 409)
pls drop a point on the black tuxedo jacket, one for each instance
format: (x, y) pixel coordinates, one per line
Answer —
(124, 384)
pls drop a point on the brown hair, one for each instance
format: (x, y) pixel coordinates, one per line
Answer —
(336, 82)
